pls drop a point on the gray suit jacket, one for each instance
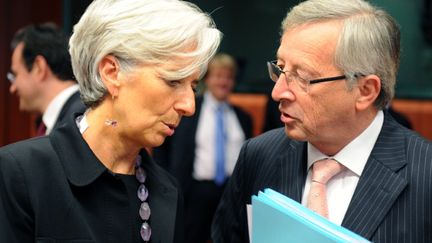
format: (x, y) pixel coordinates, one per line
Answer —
(392, 201)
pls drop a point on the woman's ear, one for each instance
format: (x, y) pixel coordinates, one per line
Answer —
(109, 70)
(369, 89)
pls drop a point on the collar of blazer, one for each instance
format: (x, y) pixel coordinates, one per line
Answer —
(80, 164)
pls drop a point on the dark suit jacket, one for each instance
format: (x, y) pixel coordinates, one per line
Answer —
(54, 189)
(177, 154)
(392, 201)
(73, 105)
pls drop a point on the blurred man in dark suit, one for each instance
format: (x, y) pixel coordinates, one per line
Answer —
(41, 75)
(203, 151)
(334, 75)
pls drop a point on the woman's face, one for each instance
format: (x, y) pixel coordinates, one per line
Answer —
(149, 107)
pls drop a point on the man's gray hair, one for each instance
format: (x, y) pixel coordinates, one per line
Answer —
(369, 42)
(140, 32)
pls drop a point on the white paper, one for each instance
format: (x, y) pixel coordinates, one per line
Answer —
(249, 220)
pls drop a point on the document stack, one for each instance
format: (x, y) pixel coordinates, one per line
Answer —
(277, 218)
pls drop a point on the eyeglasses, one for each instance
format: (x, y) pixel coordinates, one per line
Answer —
(275, 71)
(11, 77)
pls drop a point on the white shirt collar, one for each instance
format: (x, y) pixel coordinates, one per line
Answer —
(81, 122)
(54, 108)
(356, 153)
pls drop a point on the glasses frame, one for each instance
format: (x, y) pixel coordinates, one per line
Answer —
(274, 69)
(11, 77)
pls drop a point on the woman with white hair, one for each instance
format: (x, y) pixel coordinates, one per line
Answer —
(137, 63)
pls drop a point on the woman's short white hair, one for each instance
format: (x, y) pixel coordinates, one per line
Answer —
(369, 42)
(140, 32)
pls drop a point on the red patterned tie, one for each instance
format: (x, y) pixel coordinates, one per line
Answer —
(322, 172)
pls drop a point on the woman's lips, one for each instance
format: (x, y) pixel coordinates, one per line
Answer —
(170, 129)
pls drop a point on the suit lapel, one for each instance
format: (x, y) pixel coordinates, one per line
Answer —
(292, 169)
(380, 184)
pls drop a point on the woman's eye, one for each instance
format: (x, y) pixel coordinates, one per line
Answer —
(173, 82)
(178, 83)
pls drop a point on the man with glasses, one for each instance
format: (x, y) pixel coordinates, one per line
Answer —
(334, 74)
(41, 75)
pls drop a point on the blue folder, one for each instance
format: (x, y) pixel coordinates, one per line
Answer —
(277, 218)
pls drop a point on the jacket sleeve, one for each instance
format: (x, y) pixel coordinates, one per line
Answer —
(16, 215)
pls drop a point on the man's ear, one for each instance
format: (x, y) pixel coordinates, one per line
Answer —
(40, 68)
(109, 69)
(369, 88)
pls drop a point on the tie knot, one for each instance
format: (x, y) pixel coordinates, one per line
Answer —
(324, 170)
(41, 129)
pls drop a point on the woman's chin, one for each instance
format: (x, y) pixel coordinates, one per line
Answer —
(155, 142)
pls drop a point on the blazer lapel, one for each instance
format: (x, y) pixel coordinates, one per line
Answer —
(292, 169)
(380, 184)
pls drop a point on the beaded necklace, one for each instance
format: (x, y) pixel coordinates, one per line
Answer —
(140, 174)
(143, 193)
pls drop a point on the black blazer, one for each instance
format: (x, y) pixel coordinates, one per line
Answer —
(54, 189)
(177, 154)
(392, 201)
(71, 106)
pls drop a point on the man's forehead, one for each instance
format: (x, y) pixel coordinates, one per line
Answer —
(313, 37)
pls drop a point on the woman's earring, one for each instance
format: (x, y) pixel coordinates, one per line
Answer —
(111, 122)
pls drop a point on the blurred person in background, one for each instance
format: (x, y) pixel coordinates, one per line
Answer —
(203, 151)
(137, 63)
(41, 75)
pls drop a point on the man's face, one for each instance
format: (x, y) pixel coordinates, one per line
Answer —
(24, 85)
(321, 113)
(220, 82)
